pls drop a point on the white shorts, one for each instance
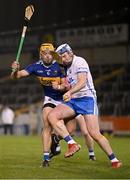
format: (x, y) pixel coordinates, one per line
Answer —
(49, 100)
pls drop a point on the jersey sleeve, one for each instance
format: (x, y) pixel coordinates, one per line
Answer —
(82, 66)
(30, 69)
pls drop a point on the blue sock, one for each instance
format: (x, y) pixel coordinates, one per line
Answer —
(46, 156)
(68, 138)
(112, 156)
(90, 150)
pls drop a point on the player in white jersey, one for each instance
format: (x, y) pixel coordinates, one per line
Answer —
(79, 65)
(79, 99)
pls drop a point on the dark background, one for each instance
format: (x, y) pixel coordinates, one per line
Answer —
(51, 16)
(61, 13)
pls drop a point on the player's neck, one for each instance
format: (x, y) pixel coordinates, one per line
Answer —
(47, 64)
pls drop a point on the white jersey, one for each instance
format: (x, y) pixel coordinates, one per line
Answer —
(80, 65)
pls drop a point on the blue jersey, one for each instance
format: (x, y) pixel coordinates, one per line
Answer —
(46, 75)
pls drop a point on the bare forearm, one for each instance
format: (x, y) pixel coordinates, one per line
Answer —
(77, 87)
(81, 82)
(19, 74)
(69, 94)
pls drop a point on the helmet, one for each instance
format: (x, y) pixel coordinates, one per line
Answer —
(47, 46)
(50, 47)
(63, 48)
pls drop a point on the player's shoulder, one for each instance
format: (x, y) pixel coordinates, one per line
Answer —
(34, 64)
(56, 64)
(79, 60)
(38, 62)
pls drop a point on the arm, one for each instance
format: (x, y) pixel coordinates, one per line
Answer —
(18, 74)
(81, 82)
(63, 86)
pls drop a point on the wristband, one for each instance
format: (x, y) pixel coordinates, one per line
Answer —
(58, 87)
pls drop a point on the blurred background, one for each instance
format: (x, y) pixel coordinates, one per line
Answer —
(97, 30)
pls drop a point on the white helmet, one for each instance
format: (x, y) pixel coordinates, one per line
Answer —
(63, 48)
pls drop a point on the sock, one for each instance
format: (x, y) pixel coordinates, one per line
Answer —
(91, 152)
(46, 156)
(113, 158)
(69, 140)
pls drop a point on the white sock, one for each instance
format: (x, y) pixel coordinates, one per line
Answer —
(71, 141)
(91, 154)
(114, 160)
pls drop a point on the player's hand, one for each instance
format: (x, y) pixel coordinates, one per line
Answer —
(55, 85)
(67, 96)
(15, 65)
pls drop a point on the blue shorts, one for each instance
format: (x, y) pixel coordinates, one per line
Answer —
(84, 105)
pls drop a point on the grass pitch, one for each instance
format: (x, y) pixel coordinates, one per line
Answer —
(20, 158)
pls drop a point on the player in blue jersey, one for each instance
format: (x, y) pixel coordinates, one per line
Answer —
(50, 75)
(48, 72)
(79, 99)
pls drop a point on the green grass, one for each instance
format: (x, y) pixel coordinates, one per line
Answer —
(20, 158)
